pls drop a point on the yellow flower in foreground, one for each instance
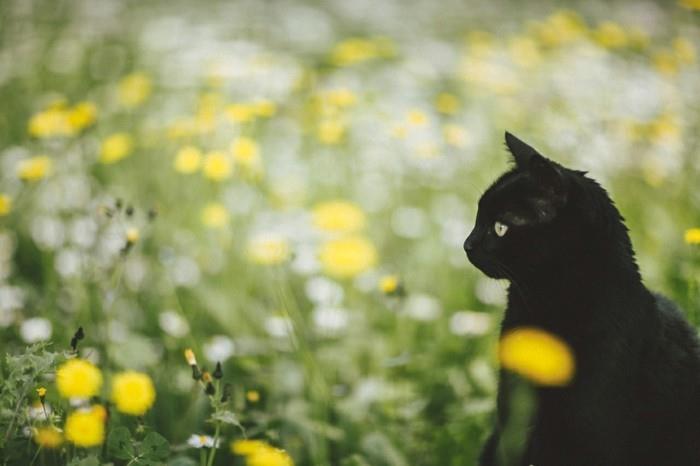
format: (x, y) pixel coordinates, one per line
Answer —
(692, 236)
(347, 257)
(82, 115)
(447, 103)
(268, 249)
(245, 151)
(260, 453)
(34, 168)
(217, 166)
(338, 217)
(85, 428)
(389, 284)
(133, 393)
(331, 131)
(215, 215)
(116, 147)
(188, 159)
(5, 204)
(47, 437)
(537, 355)
(134, 89)
(50, 122)
(78, 378)
(692, 4)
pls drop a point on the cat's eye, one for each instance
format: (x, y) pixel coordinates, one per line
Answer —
(500, 229)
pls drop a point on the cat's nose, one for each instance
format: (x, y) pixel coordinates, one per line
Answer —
(469, 242)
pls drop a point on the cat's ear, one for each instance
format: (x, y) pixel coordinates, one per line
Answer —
(548, 174)
(521, 152)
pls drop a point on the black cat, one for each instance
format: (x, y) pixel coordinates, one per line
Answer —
(558, 238)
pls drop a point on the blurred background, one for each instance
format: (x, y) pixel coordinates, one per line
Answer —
(285, 186)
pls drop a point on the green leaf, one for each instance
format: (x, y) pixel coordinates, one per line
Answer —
(182, 461)
(119, 443)
(155, 447)
(89, 461)
(227, 417)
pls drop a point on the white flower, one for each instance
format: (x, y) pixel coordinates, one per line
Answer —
(219, 348)
(277, 326)
(36, 329)
(322, 290)
(470, 323)
(173, 324)
(202, 441)
(330, 320)
(490, 291)
(422, 307)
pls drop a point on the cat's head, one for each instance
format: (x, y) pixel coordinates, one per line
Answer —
(523, 221)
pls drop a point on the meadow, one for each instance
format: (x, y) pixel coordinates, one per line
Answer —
(231, 231)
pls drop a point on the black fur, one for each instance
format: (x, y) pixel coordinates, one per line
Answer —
(635, 398)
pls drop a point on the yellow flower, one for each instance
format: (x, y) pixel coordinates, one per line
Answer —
(692, 236)
(684, 50)
(246, 447)
(116, 147)
(132, 235)
(455, 135)
(338, 217)
(447, 103)
(560, 28)
(388, 284)
(665, 62)
(610, 35)
(253, 396)
(82, 115)
(537, 355)
(356, 50)
(338, 98)
(78, 378)
(53, 121)
(245, 151)
(268, 249)
(188, 159)
(190, 358)
(691, 4)
(47, 437)
(241, 113)
(347, 257)
(41, 391)
(85, 428)
(134, 89)
(215, 215)
(331, 131)
(416, 117)
(5, 204)
(217, 166)
(265, 108)
(524, 51)
(133, 393)
(259, 453)
(34, 168)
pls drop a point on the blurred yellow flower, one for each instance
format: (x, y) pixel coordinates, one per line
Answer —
(253, 396)
(215, 215)
(268, 249)
(134, 89)
(562, 27)
(188, 159)
(132, 235)
(41, 391)
(348, 256)
(684, 50)
(610, 35)
(241, 113)
(85, 428)
(260, 453)
(81, 116)
(245, 151)
(78, 378)
(265, 108)
(339, 98)
(388, 284)
(181, 128)
(353, 50)
(665, 62)
(665, 128)
(524, 51)
(692, 236)
(217, 166)
(331, 131)
(416, 117)
(34, 168)
(455, 135)
(133, 393)
(692, 4)
(537, 355)
(447, 103)
(5, 204)
(190, 358)
(115, 147)
(47, 437)
(338, 216)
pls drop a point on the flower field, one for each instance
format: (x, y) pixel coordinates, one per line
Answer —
(231, 231)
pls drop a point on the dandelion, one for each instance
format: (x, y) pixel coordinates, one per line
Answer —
(202, 441)
(416, 117)
(331, 131)
(215, 215)
(116, 147)
(265, 108)
(253, 396)
(188, 160)
(684, 50)
(245, 152)
(217, 166)
(47, 437)
(190, 358)
(389, 284)
(134, 89)
(610, 35)
(5, 204)
(78, 378)
(537, 355)
(241, 113)
(34, 168)
(348, 256)
(259, 453)
(41, 392)
(81, 116)
(268, 249)
(447, 103)
(85, 428)
(338, 216)
(53, 121)
(692, 236)
(133, 393)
